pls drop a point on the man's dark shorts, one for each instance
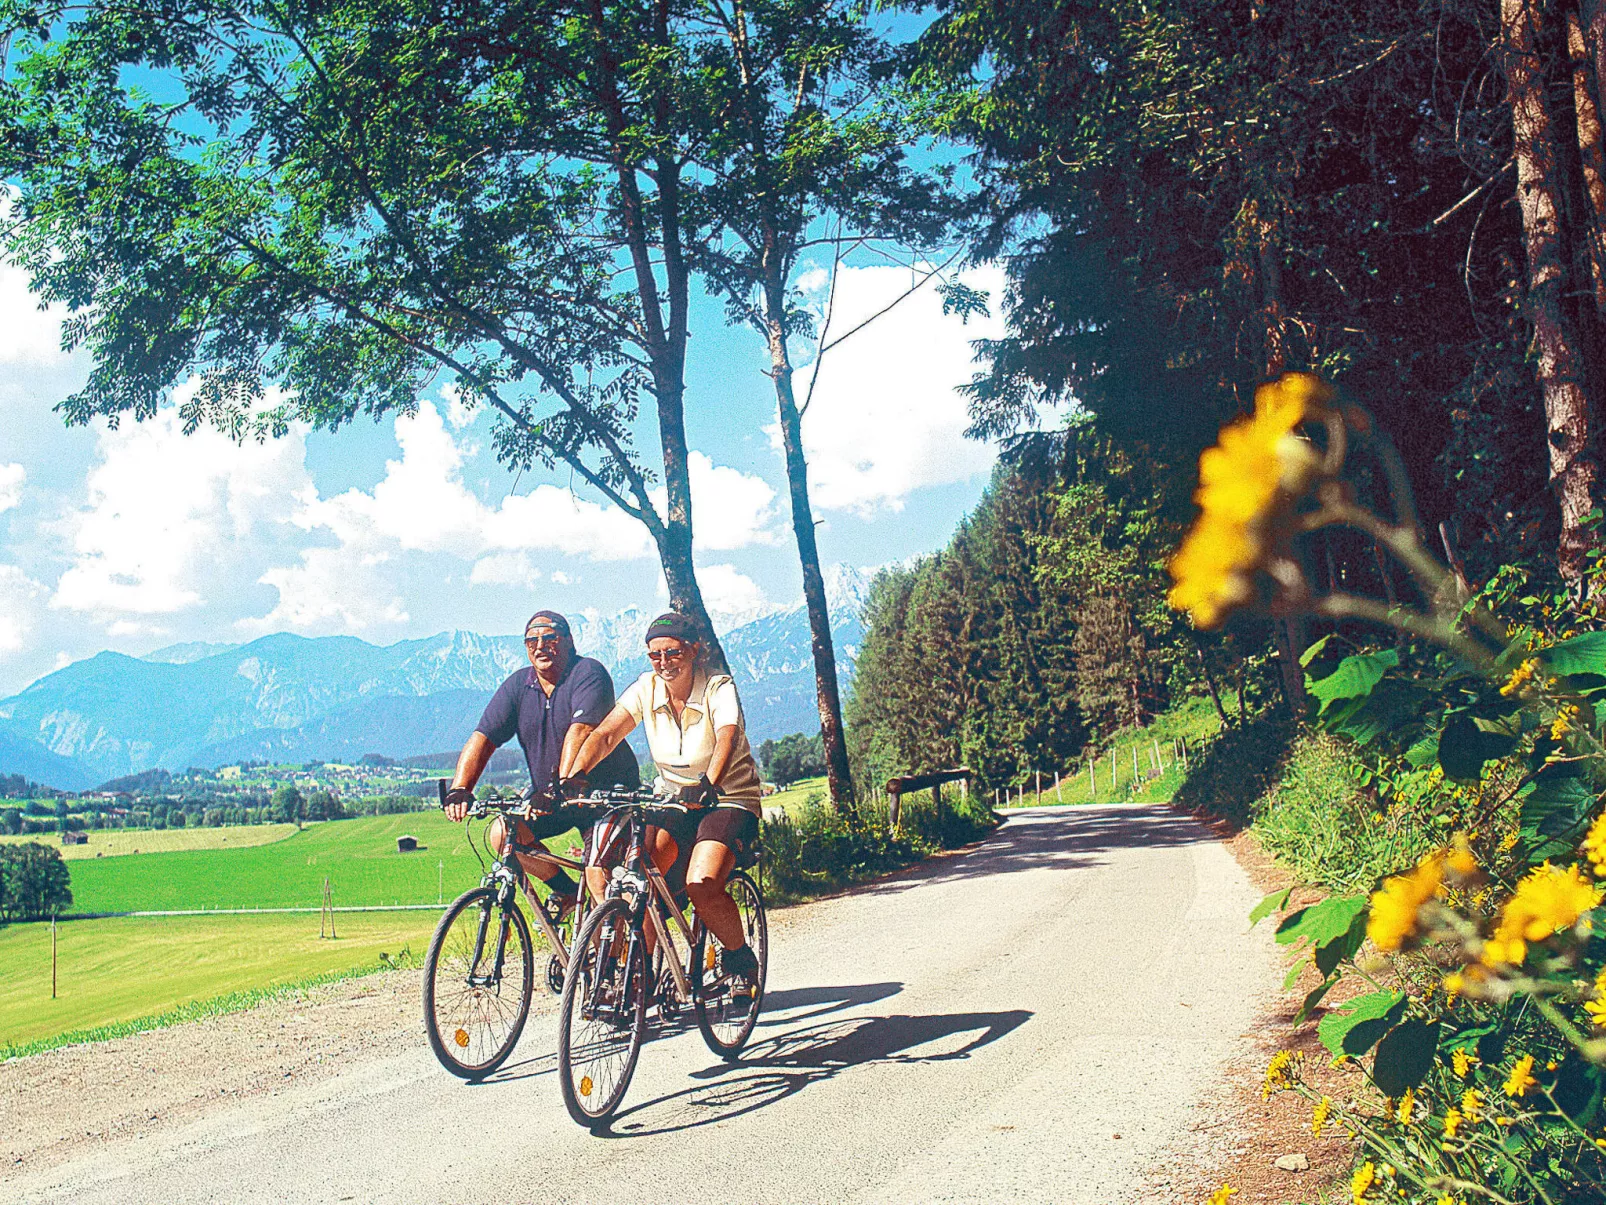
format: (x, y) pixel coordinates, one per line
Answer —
(555, 824)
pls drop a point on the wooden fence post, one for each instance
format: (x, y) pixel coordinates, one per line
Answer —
(1092, 780)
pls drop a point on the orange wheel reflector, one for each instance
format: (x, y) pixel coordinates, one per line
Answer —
(708, 959)
(461, 1037)
(585, 1085)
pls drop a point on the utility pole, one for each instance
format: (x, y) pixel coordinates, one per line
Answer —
(52, 956)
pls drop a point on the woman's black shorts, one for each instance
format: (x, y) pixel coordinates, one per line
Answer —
(731, 825)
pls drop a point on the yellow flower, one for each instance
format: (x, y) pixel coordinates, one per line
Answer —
(1461, 862)
(1454, 984)
(1255, 466)
(1462, 1062)
(1452, 1122)
(1545, 902)
(1595, 844)
(1395, 907)
(1563, 723)
(1596, 1008)
(1279, 1073)
(1222, 1195)
(1407, 1106)
(1521, 1078)
(1318, 1116)
(1508, 842)
(1361, 1182)
(1519, 677)
(1472, 1105)
(1447, 1199)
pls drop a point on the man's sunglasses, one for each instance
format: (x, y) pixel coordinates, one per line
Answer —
(550, 640)
(662, 656)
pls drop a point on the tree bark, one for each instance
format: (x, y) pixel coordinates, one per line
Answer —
(826, 690)
(1557, 352)
(1210, 682)
(1591, 150)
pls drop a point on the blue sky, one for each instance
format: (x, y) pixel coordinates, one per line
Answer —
(141, 537)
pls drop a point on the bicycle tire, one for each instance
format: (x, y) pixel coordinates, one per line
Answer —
(606, 1011)
(471, 1028)
(725, 1026)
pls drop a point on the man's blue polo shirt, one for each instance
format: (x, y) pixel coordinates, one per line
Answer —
(584, 695)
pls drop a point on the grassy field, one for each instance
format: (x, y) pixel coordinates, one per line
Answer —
(116, 970)
(358, 856)
(796, 795)
(115, 842)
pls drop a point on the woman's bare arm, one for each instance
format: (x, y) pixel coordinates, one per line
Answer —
(604, 739)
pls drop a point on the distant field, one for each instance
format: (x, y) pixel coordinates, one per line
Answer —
(117, 970)
(796, 795)
(358, 856)
(115, 842)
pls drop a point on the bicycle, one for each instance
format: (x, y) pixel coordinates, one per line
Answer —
(479, 976)
(602, 1019)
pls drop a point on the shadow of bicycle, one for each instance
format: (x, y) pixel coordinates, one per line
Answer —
(783, 1065)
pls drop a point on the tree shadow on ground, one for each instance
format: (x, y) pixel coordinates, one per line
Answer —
(1058, 839)
(783, 1065)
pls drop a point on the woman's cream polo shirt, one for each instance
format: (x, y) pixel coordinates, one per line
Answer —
(683, 749)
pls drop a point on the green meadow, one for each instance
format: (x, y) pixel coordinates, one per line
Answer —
(116, 842)
(358, 857)
(123, 969)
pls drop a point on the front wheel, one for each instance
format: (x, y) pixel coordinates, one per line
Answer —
(603, 1016)
(478, 980)
(727, 1010)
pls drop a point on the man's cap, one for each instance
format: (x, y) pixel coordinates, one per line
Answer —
(676, 625)
(548, 619)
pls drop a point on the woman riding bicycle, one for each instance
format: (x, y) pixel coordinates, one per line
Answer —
(697, 738)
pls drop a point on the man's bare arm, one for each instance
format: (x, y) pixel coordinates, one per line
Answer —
(572, 741)
(471, 763)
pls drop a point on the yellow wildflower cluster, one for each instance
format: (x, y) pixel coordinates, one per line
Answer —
(1405, 1111)
(1521, 1080)
(1461, 1062)
(1596, 1008)
(1395, 907)
(1318, 1116)
(1520, 677)
(1255, 467)
(1594, 846)
(1547, 901)
(1472, 1105)
(1280, 1073)
(1361, 1182)
(1566, 720)
(1222, 1195)
(1452, 1122)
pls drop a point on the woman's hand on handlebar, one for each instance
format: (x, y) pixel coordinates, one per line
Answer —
(458, 802)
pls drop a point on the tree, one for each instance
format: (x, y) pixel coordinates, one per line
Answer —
(1111, 665)
(324, 805)
(793, 757)
(289, 805)
(11, 821)
(34, 882)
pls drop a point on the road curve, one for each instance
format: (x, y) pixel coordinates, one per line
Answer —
(1036, 1019)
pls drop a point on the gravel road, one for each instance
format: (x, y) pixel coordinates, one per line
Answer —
(1042, 1018)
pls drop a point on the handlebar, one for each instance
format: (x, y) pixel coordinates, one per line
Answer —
(524, 804)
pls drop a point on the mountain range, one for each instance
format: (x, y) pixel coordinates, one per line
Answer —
(289, 698)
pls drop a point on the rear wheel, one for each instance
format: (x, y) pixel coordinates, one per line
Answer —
(478, 980)
(727, 1010)
(603, 1016)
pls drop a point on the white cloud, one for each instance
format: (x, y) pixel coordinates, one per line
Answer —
(507, 569)
(165, 510)
(29, 337)
(563, 579)
(329, 590)
(732, 598)
(21, 601)
(887, 418)
(11, 478)
(730, 509)
(459, 412)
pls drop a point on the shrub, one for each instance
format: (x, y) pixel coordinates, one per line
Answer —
(34, 882)
(1236, 768)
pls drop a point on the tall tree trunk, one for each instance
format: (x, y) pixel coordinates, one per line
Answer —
(1210, 681)
(1591, 150)
(1558, 354)
(826, 691)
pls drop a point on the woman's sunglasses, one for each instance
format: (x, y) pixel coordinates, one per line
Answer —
(665, 656)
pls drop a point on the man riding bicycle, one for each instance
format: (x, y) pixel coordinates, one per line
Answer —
(552, 707)
(696, 733)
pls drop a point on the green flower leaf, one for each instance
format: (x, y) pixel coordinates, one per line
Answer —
(1275, 902)
(1355, 677)
(1404, 1056)
(1355, 1028)
(1467, 742)
(1321, 923)
(1584, 654)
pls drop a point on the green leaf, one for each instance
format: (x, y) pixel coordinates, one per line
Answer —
(1312, 999)
(1584, 654)
(1321, 923)
(1294, 972)
(1275, 902)
(1554, 808)
(1391, 708)
(1355, 1027)
(1404, 1056)
(1466, 743)
(1313, 651)
(1579, 1089)
(1342, 948)
(1355, 676)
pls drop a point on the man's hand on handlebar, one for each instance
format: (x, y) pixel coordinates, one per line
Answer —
(576, 786)
(458, 802)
